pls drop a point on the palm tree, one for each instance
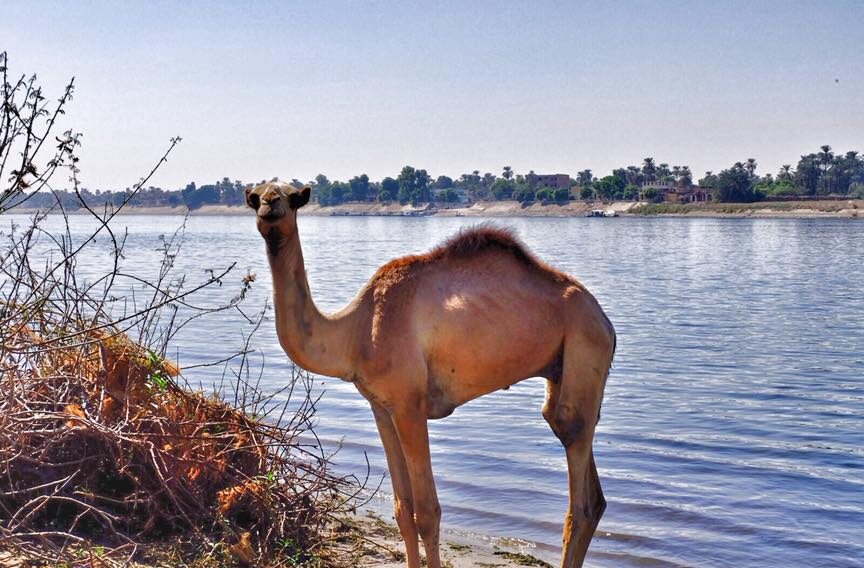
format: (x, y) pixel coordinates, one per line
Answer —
(508, 173)
(825, 158)
(686, 176)
(785, 173)
(751, 167)
(649, 170)
(633, 175)
(851, 168)
(584, 178)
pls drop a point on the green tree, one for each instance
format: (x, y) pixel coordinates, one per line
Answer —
(333, 193)
(443, 182)
(735, 185)
(847, 168)
(523, 194)
(649, 169)
(471, 184)
(322, 189)
(448, 196)
(503, 189)
(609, 187)
(584, 178)
(826, 157)
(359, 187)
(197, 198)
(544, 194)
(406, 184)
(388, 190)
(808, 173)
(413, 186)
(686, 179)
(634, 175)
(561, 194)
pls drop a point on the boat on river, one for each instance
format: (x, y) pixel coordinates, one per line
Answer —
(602, 213)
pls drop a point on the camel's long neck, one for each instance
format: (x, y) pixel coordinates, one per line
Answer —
(317, 342)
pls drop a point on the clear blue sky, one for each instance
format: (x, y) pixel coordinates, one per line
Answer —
(263, 89)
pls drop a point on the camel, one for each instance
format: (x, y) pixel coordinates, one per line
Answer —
(428, 333)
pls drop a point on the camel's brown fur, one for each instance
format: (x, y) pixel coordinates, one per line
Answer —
(430, 332)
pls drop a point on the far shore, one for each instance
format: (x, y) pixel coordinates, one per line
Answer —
(850, 209)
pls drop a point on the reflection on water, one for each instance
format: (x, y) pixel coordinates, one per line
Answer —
(731, 429)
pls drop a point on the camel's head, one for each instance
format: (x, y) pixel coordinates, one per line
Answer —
(276, 204)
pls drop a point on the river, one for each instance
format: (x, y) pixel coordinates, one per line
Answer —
(732, 423)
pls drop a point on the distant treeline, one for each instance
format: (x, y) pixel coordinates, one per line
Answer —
(822, 173)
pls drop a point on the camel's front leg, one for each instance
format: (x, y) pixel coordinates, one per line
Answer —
(403, 500)
(414, 439)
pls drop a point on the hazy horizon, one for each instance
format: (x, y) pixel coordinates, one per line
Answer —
(266, 89)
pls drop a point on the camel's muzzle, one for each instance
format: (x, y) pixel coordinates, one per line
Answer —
(271, 210)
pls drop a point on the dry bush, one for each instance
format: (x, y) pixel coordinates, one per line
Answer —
(98, 442)
(103, 446)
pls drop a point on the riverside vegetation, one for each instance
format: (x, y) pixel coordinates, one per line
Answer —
(818, 175)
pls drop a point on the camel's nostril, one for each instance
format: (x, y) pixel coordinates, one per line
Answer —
(254, 201)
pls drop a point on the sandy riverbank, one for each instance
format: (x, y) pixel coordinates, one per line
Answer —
(382, 547)
(852, 208)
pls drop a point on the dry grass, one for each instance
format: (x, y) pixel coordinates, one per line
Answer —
(102, 451)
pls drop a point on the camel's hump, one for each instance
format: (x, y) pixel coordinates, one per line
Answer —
(476, 240)
(464, 245)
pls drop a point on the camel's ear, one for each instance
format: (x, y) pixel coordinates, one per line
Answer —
(300, 198)
(252, 199)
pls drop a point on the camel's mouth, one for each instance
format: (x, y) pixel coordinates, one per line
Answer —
(269, 213)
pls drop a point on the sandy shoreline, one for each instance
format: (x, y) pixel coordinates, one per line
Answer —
(850, 209)
(383, 547)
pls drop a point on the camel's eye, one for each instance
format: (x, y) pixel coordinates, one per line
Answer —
(254, 200)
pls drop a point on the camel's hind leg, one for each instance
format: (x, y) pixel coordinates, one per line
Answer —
(403, 500)
(572, 409)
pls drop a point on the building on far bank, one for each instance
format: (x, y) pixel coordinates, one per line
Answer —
(692, 194)
(655, 190)
(667, 191)
(551, 181)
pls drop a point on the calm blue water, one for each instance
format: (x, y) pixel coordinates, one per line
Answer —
(732, 424)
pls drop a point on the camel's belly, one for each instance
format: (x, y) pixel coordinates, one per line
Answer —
(459, 371)
(479, 338)
(489, 349)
